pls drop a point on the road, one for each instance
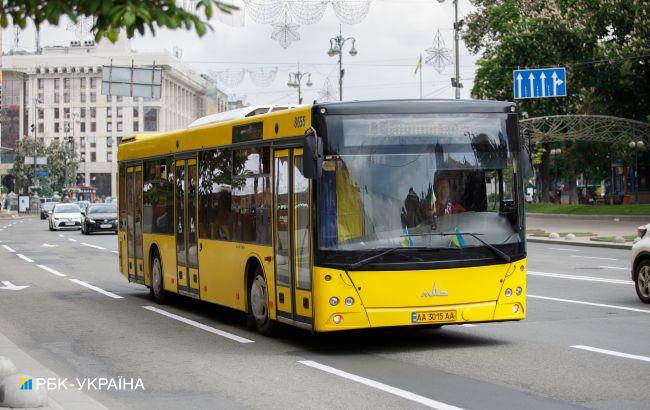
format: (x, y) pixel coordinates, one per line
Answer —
(584, 343)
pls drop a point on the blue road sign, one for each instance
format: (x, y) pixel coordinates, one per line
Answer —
(42, 173)
(539, 83)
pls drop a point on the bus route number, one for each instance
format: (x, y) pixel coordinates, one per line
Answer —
(299, 121)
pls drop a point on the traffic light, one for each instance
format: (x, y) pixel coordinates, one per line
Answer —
(31, 127)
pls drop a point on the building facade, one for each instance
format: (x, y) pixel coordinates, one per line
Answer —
(57, 95)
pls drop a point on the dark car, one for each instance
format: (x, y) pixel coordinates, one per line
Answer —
(46, 209)
(100, 218)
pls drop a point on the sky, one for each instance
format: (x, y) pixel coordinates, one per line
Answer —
(389, 41)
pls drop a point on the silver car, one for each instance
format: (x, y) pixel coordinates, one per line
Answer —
(65, 216)
(641, 264)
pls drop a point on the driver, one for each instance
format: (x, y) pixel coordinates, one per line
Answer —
(445, 205)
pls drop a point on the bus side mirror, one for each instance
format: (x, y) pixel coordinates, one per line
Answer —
(526, 163)
(312, 165)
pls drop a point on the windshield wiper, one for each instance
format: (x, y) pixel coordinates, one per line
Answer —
(493, 248)
(369, 259)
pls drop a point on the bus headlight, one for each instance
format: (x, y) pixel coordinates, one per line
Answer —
(337, 319)
(349, 301)
(518, 290)
(515, 308)
(334, 301)
(508, 292)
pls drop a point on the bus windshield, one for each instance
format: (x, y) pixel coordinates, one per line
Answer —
(418, 181)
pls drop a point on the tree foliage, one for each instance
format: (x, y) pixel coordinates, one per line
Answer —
(605, 46)
(111, 16)
(62, 164)
(24, 174)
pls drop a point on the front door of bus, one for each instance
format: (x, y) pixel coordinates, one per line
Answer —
(292, 245)
(187, 257)
(134, 223)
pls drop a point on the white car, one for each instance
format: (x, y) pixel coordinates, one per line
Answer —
(65, 216)
(641, 264)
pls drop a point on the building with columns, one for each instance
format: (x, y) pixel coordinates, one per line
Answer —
(59, 91)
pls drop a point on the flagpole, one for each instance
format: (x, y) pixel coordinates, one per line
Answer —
(420, 75)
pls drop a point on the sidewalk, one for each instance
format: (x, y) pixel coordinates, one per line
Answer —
(589, 230)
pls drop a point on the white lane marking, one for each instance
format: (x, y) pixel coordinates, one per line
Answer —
(200, 325)
(72, 240)
(564, 249)
(47, 245)
(594, 257)
(96, 289)
(576, 277)
(612, 353)
(52, 271)
(434, 404)
(9, 249)
(468, 325)
(115, 251)
(93, 246)
(614, 267)
(61, 236)
(579, 302)
(23, 257)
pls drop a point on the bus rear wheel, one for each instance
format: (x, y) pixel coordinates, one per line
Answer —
(258, 297)
(157, 291)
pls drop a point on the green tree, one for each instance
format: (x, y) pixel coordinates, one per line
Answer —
(62, 164)
(605, 46)
(110, 16)
(24, 174)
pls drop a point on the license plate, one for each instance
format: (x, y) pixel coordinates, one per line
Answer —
(105, 226)
(434, 317)
(69, 223)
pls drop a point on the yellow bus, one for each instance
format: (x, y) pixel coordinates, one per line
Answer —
(333, 216)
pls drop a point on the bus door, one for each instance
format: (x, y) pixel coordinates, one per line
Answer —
(134, 223)
(292, 243)
(187, 258)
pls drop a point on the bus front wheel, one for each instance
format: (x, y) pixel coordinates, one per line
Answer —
(157, 291)
(259, 303)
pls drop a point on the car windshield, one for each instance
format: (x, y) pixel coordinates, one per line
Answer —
(413, 180)
(48, 206)
(102, 209)
(67, 209)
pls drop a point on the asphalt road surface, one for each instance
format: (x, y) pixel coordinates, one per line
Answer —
(585, 342)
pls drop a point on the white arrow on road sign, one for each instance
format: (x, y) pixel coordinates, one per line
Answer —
(543, 78)
(10, 286)
(519, 78)
(531, 77)
(556, 82)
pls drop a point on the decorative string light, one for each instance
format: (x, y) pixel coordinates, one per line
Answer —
(438, 56)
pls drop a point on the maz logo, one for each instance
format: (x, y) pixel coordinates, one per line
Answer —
(434, 292)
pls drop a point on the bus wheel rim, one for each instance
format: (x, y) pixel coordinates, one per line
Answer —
(643, 281)
(259, 299)
(156, 275)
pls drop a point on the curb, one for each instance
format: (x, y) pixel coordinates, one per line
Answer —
(585, 244)
(632, 218)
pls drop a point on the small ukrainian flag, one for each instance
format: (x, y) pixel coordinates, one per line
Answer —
(457, 238)
(407, 241)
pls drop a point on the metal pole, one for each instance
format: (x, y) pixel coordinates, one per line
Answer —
(299, 80)
(636, 176)
(340, 42)
(35, 134)
(456, 42)
(420, 66)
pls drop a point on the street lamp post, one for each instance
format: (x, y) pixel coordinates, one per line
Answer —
(636, 146)
(295, 81)
(458, 24)
(336, 48)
